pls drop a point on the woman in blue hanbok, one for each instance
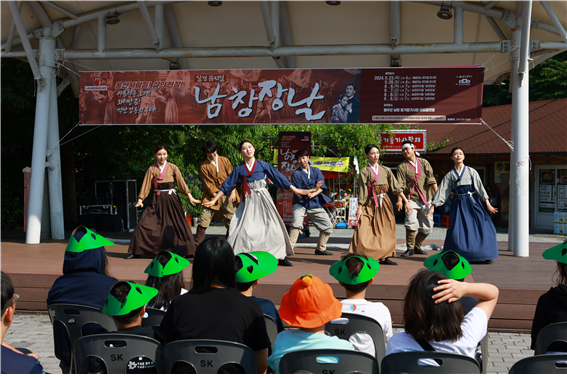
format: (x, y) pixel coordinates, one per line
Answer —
(472, 233)
(256, 224)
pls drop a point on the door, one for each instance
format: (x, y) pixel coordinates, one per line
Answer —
(550, 194)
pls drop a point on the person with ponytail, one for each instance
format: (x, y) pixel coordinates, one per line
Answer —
(163, 224)
(165, 273)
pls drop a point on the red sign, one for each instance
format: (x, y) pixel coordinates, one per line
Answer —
(289, 144)
(393, 140)
(282, 96)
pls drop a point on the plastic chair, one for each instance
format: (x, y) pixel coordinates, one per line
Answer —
(437, 220)
(360, 324)
(347, 362)
(542, 364)
(407, 363)
(272, 328)
(550, 334)
(120, 353)
(204, 356)
(446, 222)
(155, 316)
(484, 351)
(74, 317)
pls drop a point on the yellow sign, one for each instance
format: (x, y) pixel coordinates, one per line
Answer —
(502, 167)
(331, 164)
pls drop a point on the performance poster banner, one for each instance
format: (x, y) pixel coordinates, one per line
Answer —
(352, 209)
(330, 164)
(289, 143)
(282, 96)
(393, 141)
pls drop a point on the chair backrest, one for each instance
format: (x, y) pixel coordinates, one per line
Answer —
(408, 363)
(155, 316)
(360, 324)
(550, 334)
(74, 317)
(542, 364)
(272, 328)
(120, 353)
(328, 361)
(204, 356)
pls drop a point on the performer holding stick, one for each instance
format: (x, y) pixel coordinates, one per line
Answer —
(163, 224)
(472, 233)
(257, 225)
(415, 176)
(311, 179)
(214, 171)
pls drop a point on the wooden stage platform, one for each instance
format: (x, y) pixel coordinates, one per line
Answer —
(34, 268)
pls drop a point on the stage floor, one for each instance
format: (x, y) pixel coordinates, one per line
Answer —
(521, 281)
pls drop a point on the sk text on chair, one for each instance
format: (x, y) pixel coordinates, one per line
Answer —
(208, 357)
(328, 361)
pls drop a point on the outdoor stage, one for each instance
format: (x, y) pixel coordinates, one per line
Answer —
(34, 268)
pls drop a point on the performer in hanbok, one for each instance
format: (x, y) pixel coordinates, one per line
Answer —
(415, 177)
(163, 224)
(375, 235)
(257, 225)
(214, 171)
(311, 179)
(472, 233)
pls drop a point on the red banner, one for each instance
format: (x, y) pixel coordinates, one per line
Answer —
(393, 141)
(282, 96)
(289, 144)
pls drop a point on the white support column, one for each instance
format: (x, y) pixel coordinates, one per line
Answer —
(516, 34)
(159, 17)
(458, 25)
(101, 30)
(54, 176)
(285, 33)
(41, 127)
(520, 124)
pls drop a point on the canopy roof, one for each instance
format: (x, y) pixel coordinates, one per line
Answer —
(292, 34)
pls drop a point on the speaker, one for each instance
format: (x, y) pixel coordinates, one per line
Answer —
(123, 195)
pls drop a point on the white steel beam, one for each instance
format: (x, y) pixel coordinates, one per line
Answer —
(25, 41)
(148, 21)
(40, 13)
(395, 13)
(554, 19)
(285, 33)
(13, 29)
(60, 9)
(496, 28)
(174, 33)
(159, 17)
(525, 43)
(101, 37)
(458, 25)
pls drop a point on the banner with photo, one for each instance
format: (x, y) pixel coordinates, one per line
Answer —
(330, 164)
(282, 96)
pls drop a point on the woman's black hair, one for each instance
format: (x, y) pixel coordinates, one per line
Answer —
(169, 286)
(370, 147)
(455, 149)
(209, 146)
(562, 277)
(7, 292)
(160, 146)
(423, 318)
(242, 143)
(213, 265)
(105, 268)
(341, 97)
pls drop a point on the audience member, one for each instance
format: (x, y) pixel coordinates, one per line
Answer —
(434, 320)
(309, 305)
(85, 281)
(455, 267)
(165, 273)
(213, 308)
(13, 361)
(552, 306)
(355, 273)
(250, 267)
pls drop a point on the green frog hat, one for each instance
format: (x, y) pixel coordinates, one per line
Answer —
(255, 265)
(138, 297)
(458, 272)
(340, 271)
(557, 253)
(175, 265)
(89, 240)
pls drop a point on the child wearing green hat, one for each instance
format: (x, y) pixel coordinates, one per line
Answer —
(309, 305)
(165, 273)
(355, 273)
(455, 267)
(250, 267)
(552, 306)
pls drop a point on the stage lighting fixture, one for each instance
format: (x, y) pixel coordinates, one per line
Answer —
(445, 12)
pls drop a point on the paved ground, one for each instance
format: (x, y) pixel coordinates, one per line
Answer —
(35, 333)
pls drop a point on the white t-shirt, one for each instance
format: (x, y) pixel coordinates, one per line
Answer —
(474, 326)
(375, 310)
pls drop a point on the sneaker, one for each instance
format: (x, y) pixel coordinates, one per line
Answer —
(324, 253)
(408, 253)
(420, 252)
(387, 261)
(284, 262)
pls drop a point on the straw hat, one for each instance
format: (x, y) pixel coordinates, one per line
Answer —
(310, 303)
